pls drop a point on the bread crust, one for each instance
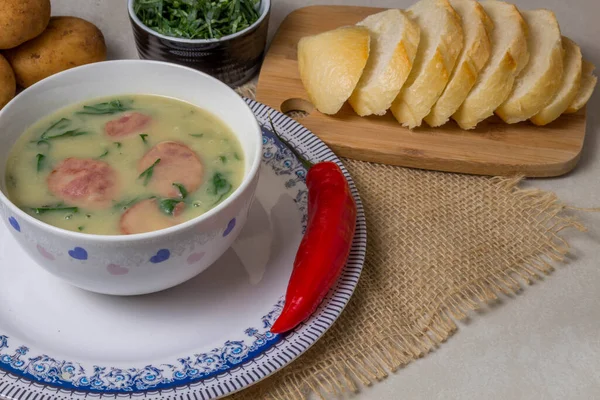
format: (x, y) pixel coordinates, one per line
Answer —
(588, 83)
(331, 64)
(495, 81)
(473, 58)
(544, 81)
(429, 77)
(570, 84)
(374, 94)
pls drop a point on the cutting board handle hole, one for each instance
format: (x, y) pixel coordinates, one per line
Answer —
(297, 108)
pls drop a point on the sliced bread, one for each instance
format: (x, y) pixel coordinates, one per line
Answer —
(439, 48)
(477, 28)
(569, 86)
(539, 81)
(331, 64)
(509, 57)
(588, 83)
(394, 43)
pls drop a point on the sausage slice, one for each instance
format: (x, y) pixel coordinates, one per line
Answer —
(127, 125)
(145, 216)
(84, 182)
(178, 164)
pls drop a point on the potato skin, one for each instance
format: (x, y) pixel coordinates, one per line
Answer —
(8, 86)
(22, 20)
(66, 43)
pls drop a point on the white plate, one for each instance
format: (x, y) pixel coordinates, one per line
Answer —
(204, 339)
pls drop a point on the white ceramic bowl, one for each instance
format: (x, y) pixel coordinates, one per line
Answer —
(140, 263)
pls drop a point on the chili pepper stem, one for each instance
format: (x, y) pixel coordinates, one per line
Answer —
(307, 164)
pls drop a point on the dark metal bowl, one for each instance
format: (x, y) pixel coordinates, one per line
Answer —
(233, 59)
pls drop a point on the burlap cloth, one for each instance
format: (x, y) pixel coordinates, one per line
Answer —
(439, 245)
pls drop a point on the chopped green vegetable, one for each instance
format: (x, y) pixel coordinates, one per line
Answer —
(118, 144)
(147, 174)
(80, 228)
(104, 154)
(56, 128)
(220, 186)
(71, 133)
(236, 156)
(198, 135)
(167, 206)
(197, 19)
(182, 190)
(143, 136)
(58, 125)
(45, 209)
(111, 107)
(125, 204)
(40, 161)
(223, 159)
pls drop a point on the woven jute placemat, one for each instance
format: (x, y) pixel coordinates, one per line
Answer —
(439, 246)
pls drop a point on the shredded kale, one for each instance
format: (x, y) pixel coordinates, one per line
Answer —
(147, 174)
(182, 190)
(197, 19)
(39, 161)
(111, 107)
(219, 186)
(167, 206)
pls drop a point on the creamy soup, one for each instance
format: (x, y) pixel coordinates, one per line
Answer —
(124, 165)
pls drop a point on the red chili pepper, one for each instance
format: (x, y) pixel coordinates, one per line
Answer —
(325, 246)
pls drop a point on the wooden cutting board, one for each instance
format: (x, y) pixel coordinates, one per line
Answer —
(494, 148)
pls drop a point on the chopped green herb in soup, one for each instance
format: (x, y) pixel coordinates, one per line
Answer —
(122, 166)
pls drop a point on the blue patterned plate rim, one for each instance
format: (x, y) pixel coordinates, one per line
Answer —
(222, 371)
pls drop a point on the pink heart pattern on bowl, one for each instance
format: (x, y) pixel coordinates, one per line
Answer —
(115, 269)
(194, 258)
(45, 253)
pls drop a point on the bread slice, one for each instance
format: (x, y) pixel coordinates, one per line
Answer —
(440, 45)
(331, 64)
(588, 83)
(477, 28)
(539, 81)
(509, 57)
(569, 85)
(394, 43)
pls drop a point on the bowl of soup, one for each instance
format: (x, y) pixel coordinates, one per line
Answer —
(127, 177)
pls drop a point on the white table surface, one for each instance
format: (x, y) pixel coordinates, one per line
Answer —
(543, 344)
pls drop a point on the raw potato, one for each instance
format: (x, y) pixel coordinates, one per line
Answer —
(68, 42)
(22, 20)
(8, 86)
